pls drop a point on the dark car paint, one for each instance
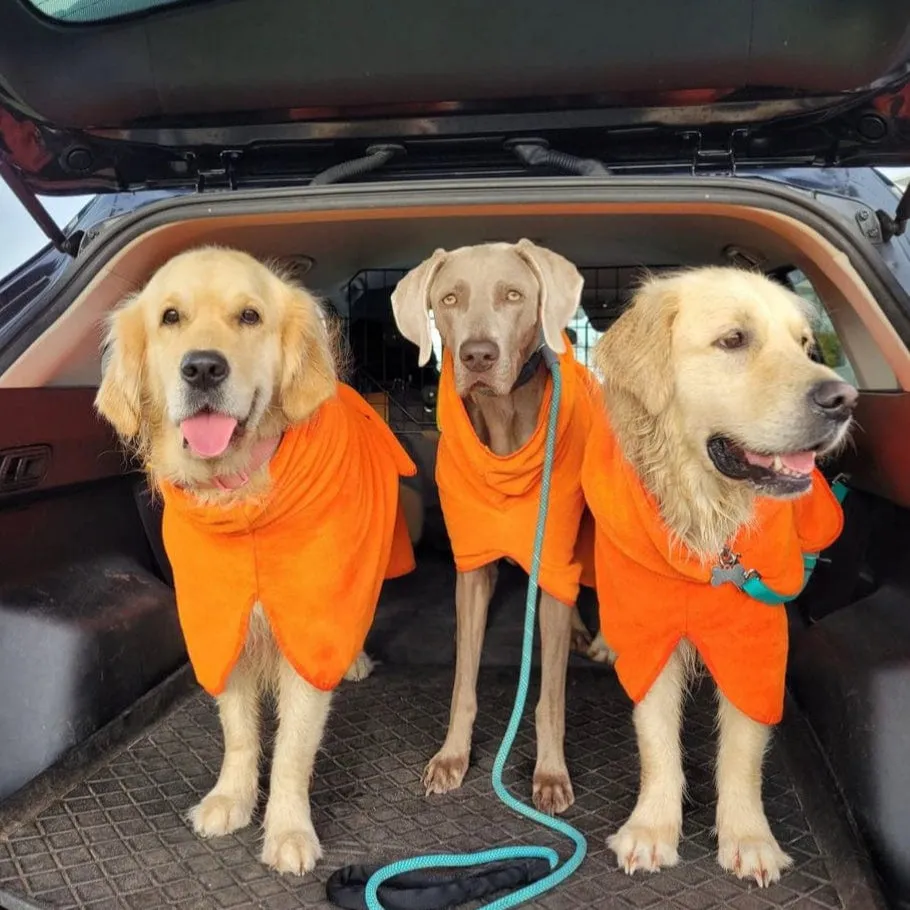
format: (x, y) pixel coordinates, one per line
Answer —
(257, 91)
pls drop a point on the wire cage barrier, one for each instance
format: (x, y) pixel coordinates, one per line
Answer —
(385, 369)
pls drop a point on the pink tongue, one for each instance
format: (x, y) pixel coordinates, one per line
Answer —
(801, 462)
(761, 461)
(208, 435)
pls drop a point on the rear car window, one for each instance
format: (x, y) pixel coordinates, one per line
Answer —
(829, 344)
(96, 10)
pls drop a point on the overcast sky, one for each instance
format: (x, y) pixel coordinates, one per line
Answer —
(20, 237)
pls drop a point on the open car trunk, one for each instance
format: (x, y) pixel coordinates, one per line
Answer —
(107, 743)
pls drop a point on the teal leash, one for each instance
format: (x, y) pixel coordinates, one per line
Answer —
(558, 872)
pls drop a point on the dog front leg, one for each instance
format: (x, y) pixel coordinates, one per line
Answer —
(552, 786)
(473, 591)
(746, 845)
(291, 844)
(230, 803)
(650, 837)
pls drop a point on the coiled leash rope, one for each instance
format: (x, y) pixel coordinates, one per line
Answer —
(558, 872)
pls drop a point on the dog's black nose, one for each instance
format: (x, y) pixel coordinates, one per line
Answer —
(834, 399)
(479, 354)
(204, 370)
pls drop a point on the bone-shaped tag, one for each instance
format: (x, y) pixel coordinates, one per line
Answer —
(734, 574)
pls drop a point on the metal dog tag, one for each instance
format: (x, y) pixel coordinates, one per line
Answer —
(734, 574)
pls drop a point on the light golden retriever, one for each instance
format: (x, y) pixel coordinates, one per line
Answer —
(215, 331)
(714, 398)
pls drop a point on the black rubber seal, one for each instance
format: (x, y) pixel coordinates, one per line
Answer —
(346, 888)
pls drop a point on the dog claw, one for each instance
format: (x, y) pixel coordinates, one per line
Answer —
(552, 793)
(292, 852)
(758, 858)
(444, 773)
(600, 652)
(362, 667)
(649, 848)
(219, 814)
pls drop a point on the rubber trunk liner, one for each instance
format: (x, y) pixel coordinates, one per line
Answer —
(119, 838)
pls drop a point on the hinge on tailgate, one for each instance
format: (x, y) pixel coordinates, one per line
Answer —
(896, 225)
(719, 161)
(223, 174)
(41, 216)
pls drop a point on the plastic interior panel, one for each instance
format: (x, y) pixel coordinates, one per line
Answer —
(87, 626)
(850, 672)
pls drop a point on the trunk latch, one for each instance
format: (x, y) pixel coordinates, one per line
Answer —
(720, 161)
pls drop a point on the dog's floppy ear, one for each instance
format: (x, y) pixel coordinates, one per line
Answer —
(307, 377)
(119, 398)
(411, 304)
(560, 290)
(634, 354)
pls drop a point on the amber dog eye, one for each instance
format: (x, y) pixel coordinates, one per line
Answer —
(450, 300)
(513, 296)
(250, 317)
(733, 341)
(170, 317)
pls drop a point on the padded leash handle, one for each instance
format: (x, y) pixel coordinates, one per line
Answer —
(346, 888)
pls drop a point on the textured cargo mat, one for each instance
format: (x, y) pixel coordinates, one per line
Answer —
(119, 840)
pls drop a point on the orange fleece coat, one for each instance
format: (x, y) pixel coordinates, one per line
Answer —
(490, 502)
(652, 593)
(313, 551)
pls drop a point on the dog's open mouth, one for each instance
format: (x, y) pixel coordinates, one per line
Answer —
(207, 434)
(780, 473)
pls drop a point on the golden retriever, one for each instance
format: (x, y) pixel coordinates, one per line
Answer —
(216, 332)
(715, 398)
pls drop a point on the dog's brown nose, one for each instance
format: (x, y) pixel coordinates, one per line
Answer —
(479, 354)
(834, 399)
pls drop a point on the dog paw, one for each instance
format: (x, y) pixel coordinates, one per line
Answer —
(758, 858)
(362, 667)
(444, 772)
(581, 637)
(600, 652)
(292, 852)
(650, 848)
(552, 792)
(581, 641)
(219, 814)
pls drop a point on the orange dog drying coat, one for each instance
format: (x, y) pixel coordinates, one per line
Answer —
(313, 551)
(490, 502)
(652, 593)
